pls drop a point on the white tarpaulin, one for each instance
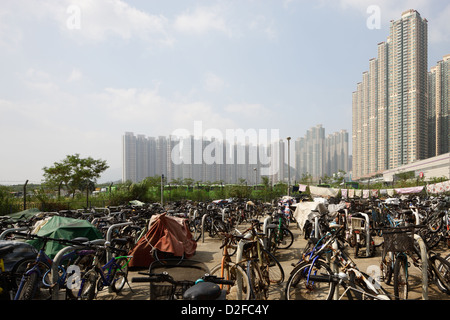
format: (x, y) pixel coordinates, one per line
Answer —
(409, 190)
(323, 192)
(303, 212)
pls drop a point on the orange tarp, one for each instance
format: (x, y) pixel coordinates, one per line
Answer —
(167, 234)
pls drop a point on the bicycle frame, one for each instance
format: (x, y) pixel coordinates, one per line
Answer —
(111, 266)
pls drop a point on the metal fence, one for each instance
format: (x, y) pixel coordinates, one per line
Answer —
(14, 207)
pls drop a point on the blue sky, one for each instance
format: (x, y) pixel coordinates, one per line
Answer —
(77, 74)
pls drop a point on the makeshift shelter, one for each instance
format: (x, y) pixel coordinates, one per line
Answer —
(166, 234)
(304, 212)
(24, 215)
(64, 228)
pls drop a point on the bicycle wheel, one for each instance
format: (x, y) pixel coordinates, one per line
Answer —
(361, 291)
(361, 247)
(286, 239)
(401, 286)
(441, 267)
(231, 271)
(258, 285)
(387, 266)
(310, 281)
(88, 285)
(271, 267)
(29, 286)
(196, 228)
(18, 271)
(218, 226)
(119, 275)
(164, 257)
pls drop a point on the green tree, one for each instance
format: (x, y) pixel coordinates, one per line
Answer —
(74, 172)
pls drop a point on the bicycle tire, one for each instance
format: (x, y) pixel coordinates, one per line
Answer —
(271, 267)
(196, 228)
(163, 257)
(89, 284)
(217, 227)
(362, 245)
(287, 239)
(299, 287)
(258, 286)
(233, 271)
(119, 275)
(387, 266)
(401, 286)
(435, 223)
(441, 267)
(29, 287)
(360, 287)
(18, 270)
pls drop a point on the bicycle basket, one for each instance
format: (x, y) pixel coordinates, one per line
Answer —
(358, 224)
(398, 239)
(183, 271)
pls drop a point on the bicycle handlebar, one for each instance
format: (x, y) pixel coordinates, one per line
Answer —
(165, 277)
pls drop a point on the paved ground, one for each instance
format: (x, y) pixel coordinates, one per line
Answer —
(208, 251)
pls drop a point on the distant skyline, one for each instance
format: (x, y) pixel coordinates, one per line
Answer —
(77, 74)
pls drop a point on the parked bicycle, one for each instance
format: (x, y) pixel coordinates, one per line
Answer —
(36, 277)
(314, 279)
(228, 270)
(113, 274)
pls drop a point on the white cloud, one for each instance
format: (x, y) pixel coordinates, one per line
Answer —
(248, 110)
(439, 27)
(75, 75)
(437, 13)
(148, 112)
(267, 26)
(202, 20)
(10, 36)
(214, 83)
(105, 18)
(93, 21)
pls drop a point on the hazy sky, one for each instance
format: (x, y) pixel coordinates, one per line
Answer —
(77, 74)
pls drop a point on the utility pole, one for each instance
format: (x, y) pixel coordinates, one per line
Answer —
(25, 195)
(289, 165)
(162, 190)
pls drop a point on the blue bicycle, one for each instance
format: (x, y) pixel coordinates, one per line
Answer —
(113, 274)
(36, 277)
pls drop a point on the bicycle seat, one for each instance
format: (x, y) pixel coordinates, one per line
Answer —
(203, 291)
(80, 239)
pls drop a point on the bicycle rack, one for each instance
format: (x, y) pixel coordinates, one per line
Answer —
(366, 216)
(109, 234)
(267, 221)
(203, 227)
(367, 227)
(424, 257)
(7, 231)
(54, 275)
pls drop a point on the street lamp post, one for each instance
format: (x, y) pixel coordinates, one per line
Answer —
(289, 165)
